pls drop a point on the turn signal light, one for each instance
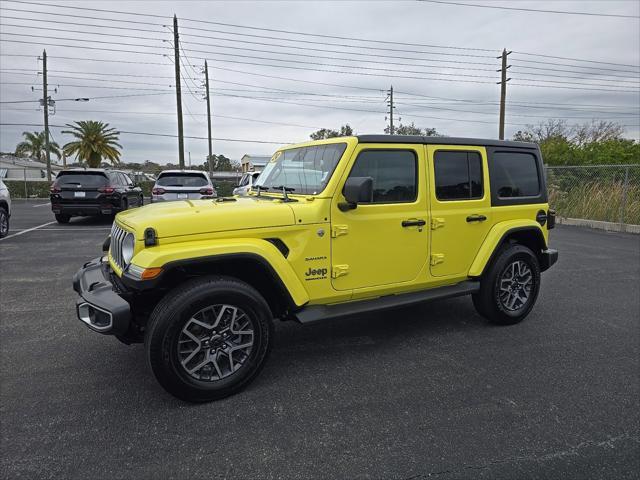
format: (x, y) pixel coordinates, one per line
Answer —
(151, 273)
(158, 191)
(106, 189)
(55, 189)
(206, 191)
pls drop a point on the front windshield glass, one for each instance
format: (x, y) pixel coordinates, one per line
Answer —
(304, 170)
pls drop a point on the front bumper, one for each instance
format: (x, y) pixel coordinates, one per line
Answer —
(548, 258)
(99, 306)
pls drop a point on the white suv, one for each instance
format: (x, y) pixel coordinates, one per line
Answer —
(246, 183)
(5, 209)
(182, 185)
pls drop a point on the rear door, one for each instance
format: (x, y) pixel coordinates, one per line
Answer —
(460, 206)
(80, 187)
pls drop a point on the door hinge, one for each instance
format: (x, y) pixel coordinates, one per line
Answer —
(338, 230)
(436, 223)
(339, 271)
(437, 258)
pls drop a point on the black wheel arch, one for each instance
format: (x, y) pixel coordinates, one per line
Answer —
(530, 237)
(249, 268)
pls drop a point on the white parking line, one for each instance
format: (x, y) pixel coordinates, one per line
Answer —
(26, 231)
(40, 205)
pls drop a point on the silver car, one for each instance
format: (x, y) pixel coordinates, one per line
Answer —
(182, 185)
(5, 209)
(246, 182)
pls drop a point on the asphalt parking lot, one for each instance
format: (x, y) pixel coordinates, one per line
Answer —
(422, 392)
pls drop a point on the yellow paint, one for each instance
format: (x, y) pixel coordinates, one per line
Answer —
(336, 256)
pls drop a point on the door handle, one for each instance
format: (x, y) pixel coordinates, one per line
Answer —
(413, 223)
(476, 218)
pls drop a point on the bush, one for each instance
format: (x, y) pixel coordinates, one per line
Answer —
(39, 189)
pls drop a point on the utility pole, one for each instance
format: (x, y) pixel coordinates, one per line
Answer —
(391, 107)
(206, 78)
(45, 102)
(503, 90)
(176, 47)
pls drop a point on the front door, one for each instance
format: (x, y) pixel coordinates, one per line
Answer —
(460, 207)
(382, 241)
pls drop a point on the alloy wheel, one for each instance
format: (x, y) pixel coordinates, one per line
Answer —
(516, 283)
(215, 342)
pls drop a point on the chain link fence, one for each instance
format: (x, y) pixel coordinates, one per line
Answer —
(609, 193)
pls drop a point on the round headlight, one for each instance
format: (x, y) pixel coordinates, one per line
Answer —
(128, 245)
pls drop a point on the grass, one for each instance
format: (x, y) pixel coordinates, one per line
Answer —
(597, 200)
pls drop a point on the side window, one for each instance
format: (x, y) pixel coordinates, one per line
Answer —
(394, 174)
(515, 174)
(113, 178)
(458, 175)
(127, 179)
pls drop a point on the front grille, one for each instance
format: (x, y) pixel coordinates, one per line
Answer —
(117, 237)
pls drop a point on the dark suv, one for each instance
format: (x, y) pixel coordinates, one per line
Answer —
(93, 192)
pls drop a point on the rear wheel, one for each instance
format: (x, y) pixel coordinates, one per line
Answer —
(4, 222)
(510, 287)
(209, 338)
(62, 218)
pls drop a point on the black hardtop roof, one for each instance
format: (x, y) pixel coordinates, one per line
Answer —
(443, 141)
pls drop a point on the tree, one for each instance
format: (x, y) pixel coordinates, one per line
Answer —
(345, 131)
(95, 141)
(221, 164)
(413, 130)
(34, 146)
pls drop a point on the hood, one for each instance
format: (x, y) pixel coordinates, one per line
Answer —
(189, 217)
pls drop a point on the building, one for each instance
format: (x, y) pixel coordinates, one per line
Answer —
(254, 163)
(18, 168)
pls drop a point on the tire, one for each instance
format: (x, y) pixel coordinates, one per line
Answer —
(206, 375)
(62, 218)
(4, 222)
(141, 201)
(507, 306)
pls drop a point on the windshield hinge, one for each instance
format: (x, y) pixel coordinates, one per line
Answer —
(338, 230)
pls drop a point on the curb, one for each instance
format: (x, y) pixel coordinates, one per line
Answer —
(600, 225)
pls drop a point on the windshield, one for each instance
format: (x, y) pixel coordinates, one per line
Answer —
(306, 170)
(182, 180)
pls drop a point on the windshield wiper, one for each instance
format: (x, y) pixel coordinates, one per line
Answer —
(285, 191)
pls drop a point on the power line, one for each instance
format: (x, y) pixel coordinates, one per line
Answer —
(85, 59)
(90, 98)
(530, 9)
(307, 34)
(84, 32)
(66, 15)
(80, 24)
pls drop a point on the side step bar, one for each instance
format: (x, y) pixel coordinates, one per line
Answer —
(318, 313)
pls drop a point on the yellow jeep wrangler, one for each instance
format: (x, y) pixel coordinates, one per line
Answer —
(331, 228)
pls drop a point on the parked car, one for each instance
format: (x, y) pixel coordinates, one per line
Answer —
(182, 185)
(5, 209)
(246, 182)
(93, 191)
(345, 226)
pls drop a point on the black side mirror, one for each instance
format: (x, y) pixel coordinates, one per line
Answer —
(356, 190)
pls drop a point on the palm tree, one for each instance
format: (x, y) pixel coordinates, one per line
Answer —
(34, 146)
(95, 142)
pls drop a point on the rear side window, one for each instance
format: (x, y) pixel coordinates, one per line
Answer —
(394, 174)
(515, 174)
(81, 179)
(182, 180)
(458, 175)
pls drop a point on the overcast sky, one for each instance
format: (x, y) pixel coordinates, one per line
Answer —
(458, 99)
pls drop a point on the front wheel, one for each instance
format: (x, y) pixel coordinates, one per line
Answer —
(4, 223)
(510, 287)
(209, 338)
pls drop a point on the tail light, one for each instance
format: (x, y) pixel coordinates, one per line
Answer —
(55, 188)
(206, 191)
(106, 189)
(157, 191)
